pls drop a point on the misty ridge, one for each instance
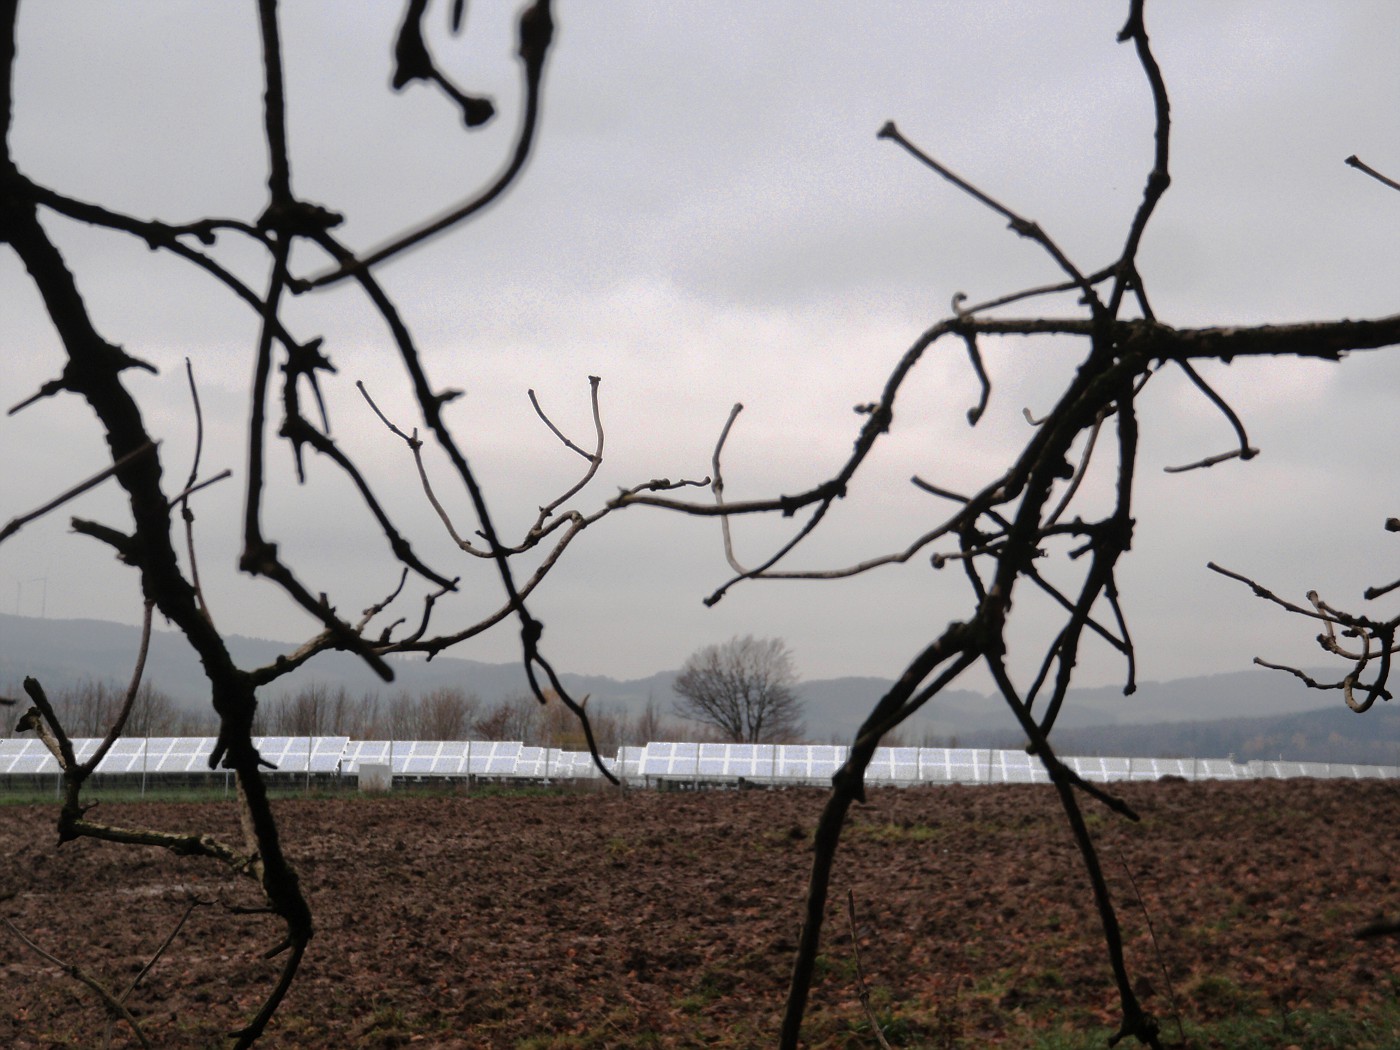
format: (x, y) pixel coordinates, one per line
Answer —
(1250, 714)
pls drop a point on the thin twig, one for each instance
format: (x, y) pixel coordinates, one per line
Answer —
(83, 771)
(864, 992)
(15, 524)
(1360, 165)
(114, 1005)
(1156, 948)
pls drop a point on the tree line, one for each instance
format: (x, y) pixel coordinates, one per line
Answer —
(317, 709)
(742, 691)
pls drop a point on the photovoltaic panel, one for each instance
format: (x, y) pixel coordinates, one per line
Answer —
(189, 754)
(1157, 768)
(10, 752)
(287, 754)
(357, 751)
(495, 758)
(417, 763)
(422, 758)
(670, 760)
(1370, 771)
(436, 758)
(1017, 767)
(300, 754)
(1100, 770)
(573, 764)
(137, 755)
(894, 765)
(404, 757)
(969, 765)
(160, 754)
(118, 759)
(26, 756)
(35, 763)
(84, 748)
(327, 753)
(450, 758)
(953, 765)
(532, 762)
(710, 762)
(629, 762)
(1220, 769)
(124, 757)
(731, 762)
(808, 763)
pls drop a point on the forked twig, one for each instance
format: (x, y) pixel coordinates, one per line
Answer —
(195, 902)
(1156, 948)
(864, 992)
(114, 1004)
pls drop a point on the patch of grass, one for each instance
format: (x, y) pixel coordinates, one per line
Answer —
(839, 968)
(386, 1027)
(42, 796)
(617, 1031)
(898, 1031)
(1068, 1039)
(1215, 995)
(897, 831)
(1304, 1029)
(1378, 1029)
(217, 790)
(713, 984)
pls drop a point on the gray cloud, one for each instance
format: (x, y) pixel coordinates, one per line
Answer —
(709, 219)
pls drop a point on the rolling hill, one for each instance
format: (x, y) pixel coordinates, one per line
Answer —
(1253, 713)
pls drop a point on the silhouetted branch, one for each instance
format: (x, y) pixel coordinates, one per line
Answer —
(1360, 165)
(536, 34)
(86, 769)
(112, 1003)
(15, 524)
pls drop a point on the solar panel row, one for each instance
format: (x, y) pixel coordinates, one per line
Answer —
(689, 762)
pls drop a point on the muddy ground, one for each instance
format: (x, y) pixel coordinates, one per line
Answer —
(669, 919)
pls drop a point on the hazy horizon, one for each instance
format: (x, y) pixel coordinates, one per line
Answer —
(709, 218)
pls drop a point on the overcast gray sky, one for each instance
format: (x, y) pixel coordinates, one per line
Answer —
(709, 218)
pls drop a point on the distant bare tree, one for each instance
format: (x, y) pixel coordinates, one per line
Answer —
(399, 716)
(513, 718)
(89, 708)
(362, 717)
(649, 725)
(745, 688)
(153, 713)
(313, 710)
(447, 713)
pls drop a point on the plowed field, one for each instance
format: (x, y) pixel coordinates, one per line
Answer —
(669, 920)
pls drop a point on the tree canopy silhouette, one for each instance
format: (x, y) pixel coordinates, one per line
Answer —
(744, 688)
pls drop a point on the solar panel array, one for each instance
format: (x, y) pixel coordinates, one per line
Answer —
(172, 754)
(434, 758)
(694, 763)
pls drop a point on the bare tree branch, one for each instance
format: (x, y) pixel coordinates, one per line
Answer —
(15, 524)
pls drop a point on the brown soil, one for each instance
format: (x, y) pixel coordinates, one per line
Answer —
(669, 919)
